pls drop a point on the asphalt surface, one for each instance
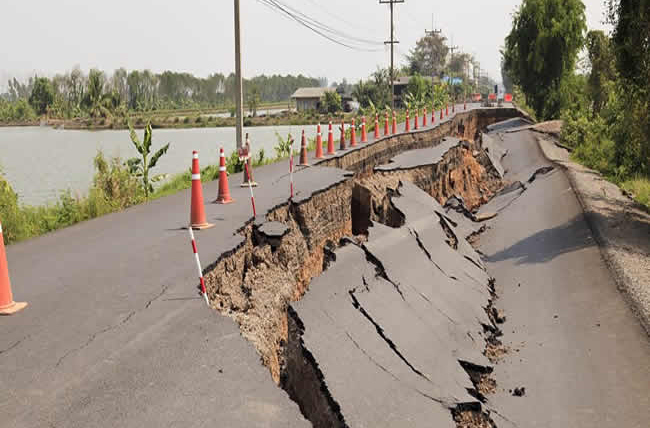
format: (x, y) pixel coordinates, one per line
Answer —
(388, 323)
(575, 346)
(115, 334)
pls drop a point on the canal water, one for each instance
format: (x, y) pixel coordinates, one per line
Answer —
(40, 162)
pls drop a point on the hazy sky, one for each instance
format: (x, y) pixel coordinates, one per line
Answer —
(197, 35)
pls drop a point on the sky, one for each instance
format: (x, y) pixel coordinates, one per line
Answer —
(197, 36)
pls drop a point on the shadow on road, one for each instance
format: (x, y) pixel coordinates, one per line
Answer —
(547, 244)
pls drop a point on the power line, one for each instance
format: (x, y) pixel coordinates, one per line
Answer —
(334, 35)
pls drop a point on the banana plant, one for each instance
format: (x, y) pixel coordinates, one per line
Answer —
(140, 167)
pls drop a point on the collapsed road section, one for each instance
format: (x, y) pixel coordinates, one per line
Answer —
(364, 299)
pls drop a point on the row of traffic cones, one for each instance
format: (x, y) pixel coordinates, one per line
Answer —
(197, 214)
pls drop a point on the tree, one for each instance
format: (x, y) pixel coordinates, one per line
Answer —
(253, 99)
(141, 166)
(458, 64)
(331, 102)
(429, 55)
(42, 95)
(631, 45)
(631, 39)
(419, 90)
(602, 64)
(542, 48)
(375, 91)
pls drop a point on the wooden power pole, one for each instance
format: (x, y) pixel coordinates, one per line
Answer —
(392, 42)
(239, 101)
(432, 34)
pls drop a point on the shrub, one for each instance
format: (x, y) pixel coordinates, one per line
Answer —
(589, 137)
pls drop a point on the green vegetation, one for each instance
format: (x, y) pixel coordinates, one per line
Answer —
(429, 55)
(123, 95)
(140, 167)
(542, 50)
(605, 106)
(113, 189)
(331, 102)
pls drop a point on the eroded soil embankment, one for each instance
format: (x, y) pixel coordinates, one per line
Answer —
(256, 281)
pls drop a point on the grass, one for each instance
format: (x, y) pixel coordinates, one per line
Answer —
(640, 188)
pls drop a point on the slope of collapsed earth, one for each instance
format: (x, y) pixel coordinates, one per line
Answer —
(396, 328)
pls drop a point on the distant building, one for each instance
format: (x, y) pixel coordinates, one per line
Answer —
(309, 98)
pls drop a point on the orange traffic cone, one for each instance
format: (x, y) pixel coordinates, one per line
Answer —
(342, 142)
(249, 161)
(416, 120)
(364, 133)
(376, 126)
(394, 123)
(197, 210)
(330, 141)
(441, 111)
(303, 150)
(7, 304)
(424, 117)
(353, 134)
(386, 131)
(407, 125)
(224, 192)
(319, 144)
(447, 110)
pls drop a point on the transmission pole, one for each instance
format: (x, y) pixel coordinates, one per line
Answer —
(452, 49)
(432, 34)
(239, 101)
(392, 42)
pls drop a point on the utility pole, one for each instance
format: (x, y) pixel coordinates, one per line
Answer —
(392, 42)
(452, 48)
(239, 101)
(434, 32)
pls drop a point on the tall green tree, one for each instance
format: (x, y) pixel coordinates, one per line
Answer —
(42, 95)
(428, 57)
(542, 49)
(631, 44)
(631, 37)
(602, 64)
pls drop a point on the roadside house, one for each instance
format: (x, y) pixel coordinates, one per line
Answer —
(309, 98)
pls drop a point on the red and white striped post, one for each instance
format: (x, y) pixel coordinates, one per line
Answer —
(198, 266)
(291, 166)
(250, 187)
(244, 155)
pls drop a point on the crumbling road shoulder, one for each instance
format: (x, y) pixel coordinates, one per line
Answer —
(620, 226)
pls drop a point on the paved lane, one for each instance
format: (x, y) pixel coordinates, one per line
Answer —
(575, 346)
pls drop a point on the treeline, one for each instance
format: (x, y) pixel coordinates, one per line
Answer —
(605, 103)
(76, 94)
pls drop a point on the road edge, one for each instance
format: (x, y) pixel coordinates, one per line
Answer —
(615, 256)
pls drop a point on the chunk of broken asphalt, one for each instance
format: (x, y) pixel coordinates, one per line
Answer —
(519, 392)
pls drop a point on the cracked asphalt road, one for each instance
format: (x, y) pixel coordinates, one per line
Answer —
(575, 346)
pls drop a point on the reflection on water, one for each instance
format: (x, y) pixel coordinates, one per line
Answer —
(39, 162)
